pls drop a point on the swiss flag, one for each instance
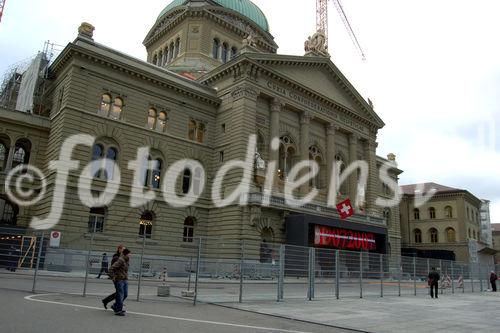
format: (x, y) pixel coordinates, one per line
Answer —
(345, 209)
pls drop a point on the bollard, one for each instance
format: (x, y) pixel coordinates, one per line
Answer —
(39, 256)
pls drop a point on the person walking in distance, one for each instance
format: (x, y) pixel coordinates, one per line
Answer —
(112, 297)
(104, 265)
(433, 279)
(119, 274)
(493, 281)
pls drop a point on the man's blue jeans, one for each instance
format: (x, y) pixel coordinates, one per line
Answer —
(121, 294)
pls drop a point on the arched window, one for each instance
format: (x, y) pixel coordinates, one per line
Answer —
(146, 224)
(225, 51)
(155, 181)
(152, 118)
(22, 152)
(171, 51)
(8, 212)
(215, 48)
(416, 214)
(196, 131)
(234, 52)
(97, 154)
(162, 121)
(200, 137)
(417, 233)
(186, 181)
(105, 105)
(188, 232)
(433, 233)
(286, 154)
(177, 47)
(315, 155)
(192, 130)
(3, 155)
(197, 180)
(340, 161)
(117, 108)
(266, 251)
(97, 217)
(387, 214)
(450, 235)
(448, 212)
(111, 156)
(474, 234)
(432, 213)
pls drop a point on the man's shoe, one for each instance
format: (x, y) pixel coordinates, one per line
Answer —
(104, 304)
(113, 308)
(120, 313)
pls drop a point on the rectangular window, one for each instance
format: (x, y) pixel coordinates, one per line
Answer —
(221, 157)
(223, 128)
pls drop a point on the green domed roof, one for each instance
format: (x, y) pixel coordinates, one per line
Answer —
(245, 7)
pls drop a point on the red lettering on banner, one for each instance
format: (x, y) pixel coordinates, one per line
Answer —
(343, 238)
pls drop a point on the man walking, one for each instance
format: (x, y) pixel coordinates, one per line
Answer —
(104, 265)
(119, 274)
(433, 279)
(111, 297)
(493, 281)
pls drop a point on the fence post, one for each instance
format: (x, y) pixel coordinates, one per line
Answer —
(471, 277)
(337, 275)
(463, 280)
(381, 275)
(360, 274)
(140, 268)
(452, 277)
(480, 277)
(281, 273)
(39, 256)
(198, 262)
(310, 293)
(442, 274)
(88, 259)
(400, 272)
(242, 258)
(415, 276)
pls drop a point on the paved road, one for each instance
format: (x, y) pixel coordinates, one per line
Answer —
(24, 312)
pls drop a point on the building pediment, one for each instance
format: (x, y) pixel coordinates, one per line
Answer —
(316, 77)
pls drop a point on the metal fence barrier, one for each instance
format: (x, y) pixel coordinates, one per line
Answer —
(219, 270)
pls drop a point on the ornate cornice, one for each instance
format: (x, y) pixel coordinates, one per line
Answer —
(75, 51)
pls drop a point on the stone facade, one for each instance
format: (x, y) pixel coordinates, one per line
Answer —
(207, 114)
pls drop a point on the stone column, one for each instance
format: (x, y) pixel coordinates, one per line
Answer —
(353, 156)
(372, 186)
(305, 120)
(8, 166)
(274, 130)
(331, 129)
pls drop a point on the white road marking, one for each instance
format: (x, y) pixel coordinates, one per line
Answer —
(32, 298)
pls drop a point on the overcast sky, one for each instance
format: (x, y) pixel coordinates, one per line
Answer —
(432, 69)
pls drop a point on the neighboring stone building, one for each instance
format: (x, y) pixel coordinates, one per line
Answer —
(447, 226)
(495, 231)
(212, 79)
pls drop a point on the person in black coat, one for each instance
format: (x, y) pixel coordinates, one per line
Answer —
(112, 297)
(433, 279)
(493, 281)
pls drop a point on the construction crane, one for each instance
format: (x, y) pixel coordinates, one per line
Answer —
(2, 5)
(322, 22)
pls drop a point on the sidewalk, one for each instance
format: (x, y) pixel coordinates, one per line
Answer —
(450, 313)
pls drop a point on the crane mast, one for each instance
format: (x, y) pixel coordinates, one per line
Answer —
(322, 22)
(2, 5)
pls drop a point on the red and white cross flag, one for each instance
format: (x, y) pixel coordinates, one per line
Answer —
(345, 209)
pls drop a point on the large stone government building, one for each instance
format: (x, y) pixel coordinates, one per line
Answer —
(212, 78)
